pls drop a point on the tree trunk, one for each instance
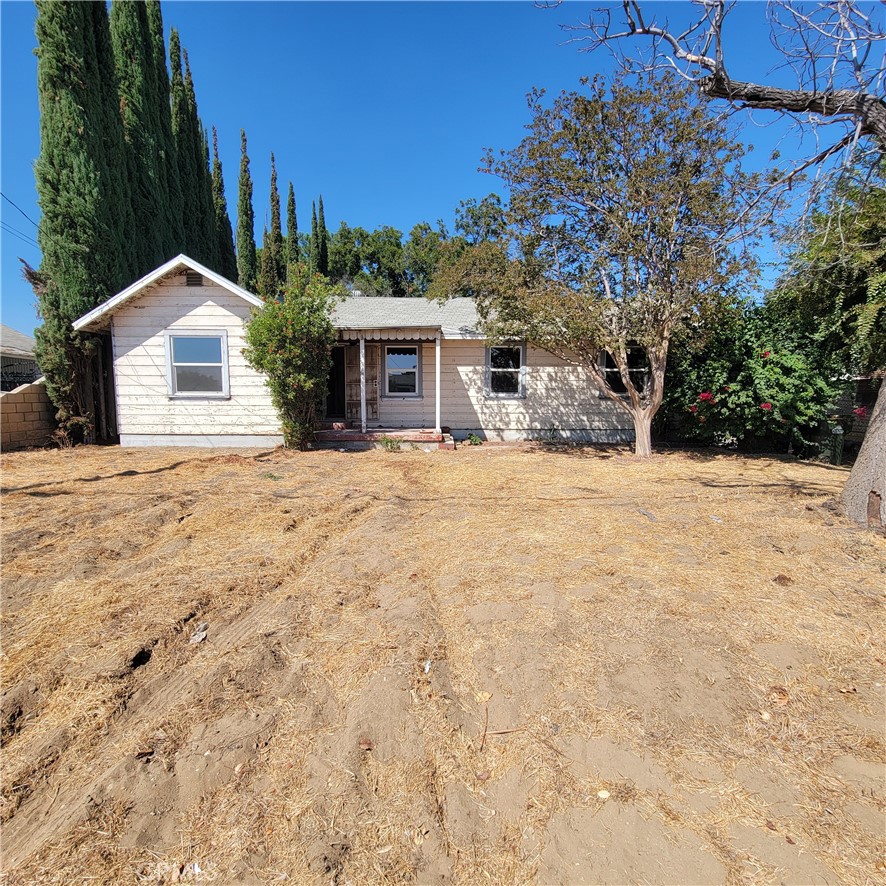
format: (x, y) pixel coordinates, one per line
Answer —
(864, 495)
(642, 433)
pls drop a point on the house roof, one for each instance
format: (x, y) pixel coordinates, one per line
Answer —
(98, 318)
(456, 318)
(16, 344)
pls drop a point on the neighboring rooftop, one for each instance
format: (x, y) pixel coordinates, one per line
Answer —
(16, 344)
(455, 318)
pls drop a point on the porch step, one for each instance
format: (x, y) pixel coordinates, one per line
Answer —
(382, 438)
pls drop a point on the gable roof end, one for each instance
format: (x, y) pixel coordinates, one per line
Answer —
(98, 317)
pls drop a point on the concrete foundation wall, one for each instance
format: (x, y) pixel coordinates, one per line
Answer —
(27, 417)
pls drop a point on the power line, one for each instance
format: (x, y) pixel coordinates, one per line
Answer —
(23, 237)
(25, 214)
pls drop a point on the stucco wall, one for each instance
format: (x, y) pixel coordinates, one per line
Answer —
(27, 417)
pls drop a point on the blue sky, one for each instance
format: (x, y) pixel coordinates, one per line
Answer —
(384, 108)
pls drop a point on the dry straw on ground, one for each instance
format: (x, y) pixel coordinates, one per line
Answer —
(504, 665)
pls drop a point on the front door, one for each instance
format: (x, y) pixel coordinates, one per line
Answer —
(335, 395)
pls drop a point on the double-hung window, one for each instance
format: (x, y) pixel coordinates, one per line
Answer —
(638, 371)
(197, 363)
(506, 371)
(402, 371)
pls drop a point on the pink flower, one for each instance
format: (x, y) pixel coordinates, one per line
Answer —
(861, 411)
(765, 354)
(693, 408)
(725, 387)
(767, 406)
(706, 395)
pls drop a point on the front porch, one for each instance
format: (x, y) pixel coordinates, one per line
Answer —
(337, 435)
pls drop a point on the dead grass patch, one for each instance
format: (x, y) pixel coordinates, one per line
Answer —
(429, 666)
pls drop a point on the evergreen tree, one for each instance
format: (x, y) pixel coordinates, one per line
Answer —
(170, 224)
(206, 248)
(227, 259)
(136, 76)
(268, 282)
(275, 246)
(86, 223)
(185, 150)
(291, 245)
(314, 254)
(247, 271)
(323, 245)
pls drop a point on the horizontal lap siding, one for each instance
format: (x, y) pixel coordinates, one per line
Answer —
(143, 402)
(558, 395)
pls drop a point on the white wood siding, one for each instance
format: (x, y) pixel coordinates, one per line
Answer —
(559, 396)
(144, 406)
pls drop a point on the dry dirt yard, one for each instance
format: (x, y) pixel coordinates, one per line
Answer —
(489, 665)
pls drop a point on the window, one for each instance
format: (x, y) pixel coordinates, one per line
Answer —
(638, 369)
(505, 371)
(197, 364)
(402, 371)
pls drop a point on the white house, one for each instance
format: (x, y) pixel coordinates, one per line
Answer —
(180, 377)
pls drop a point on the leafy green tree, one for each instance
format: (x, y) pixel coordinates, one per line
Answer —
(86, 223)
(480, 222)
(227, 259)
(291, 342)
(834, 297)
(291, 245)
(247, 264)
(422, 254)
(381, 257)
(624, 213)
(344, 253)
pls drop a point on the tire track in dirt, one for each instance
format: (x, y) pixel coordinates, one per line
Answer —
(172, 686)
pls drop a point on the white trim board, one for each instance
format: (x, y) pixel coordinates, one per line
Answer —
(211, 441)
(95, 319)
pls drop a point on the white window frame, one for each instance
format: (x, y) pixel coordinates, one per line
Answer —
(521, 377)
(606, 370)
(385, 393)
(222, 335)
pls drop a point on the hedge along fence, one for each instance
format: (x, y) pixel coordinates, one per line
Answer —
(27, 417)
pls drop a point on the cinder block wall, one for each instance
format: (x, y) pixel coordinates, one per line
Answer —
(27, 417)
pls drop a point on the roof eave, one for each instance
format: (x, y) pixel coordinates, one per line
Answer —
(99, 318)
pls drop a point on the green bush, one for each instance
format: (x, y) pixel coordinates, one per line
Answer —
(291, 340)
(746, 388)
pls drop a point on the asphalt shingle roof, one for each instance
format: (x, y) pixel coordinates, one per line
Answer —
(15, 344)
(369, 312)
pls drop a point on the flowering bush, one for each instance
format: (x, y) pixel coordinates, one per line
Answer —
(744, 388)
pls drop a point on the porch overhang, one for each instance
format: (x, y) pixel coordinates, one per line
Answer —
(398, 333)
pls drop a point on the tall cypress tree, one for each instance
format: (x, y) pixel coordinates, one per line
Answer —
(172, 241)
(292, 251)
(314, 261)
(139, 107)
(247, 271)
(206, 249)
(323, 246)
(268, 282)
(86, 224)
(185, 151)
(273, 267)
(227, 259)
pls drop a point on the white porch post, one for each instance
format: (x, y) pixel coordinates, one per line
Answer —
(362, 384)
(437, 383)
